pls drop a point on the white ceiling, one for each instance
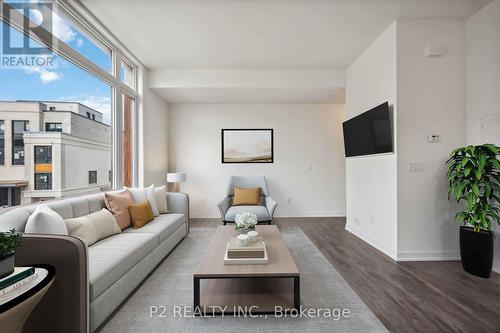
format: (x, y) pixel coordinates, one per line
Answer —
(266, 42)
(260, 33)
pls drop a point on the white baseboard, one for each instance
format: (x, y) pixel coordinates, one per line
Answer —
(428, 255)
(211, 216)
(313, 215)
(379, 246)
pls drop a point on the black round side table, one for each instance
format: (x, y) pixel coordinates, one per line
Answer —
(16, 305)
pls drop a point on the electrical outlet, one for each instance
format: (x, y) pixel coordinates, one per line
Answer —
(416, 167)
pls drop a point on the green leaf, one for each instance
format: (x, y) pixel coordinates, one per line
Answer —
(496, 164)
(464, 162)
(495, 150)
(475, 188)
(488, 189)
(467, 171)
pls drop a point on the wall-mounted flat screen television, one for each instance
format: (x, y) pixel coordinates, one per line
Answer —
(369, 133)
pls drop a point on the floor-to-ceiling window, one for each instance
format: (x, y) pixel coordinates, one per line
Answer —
(82, 102)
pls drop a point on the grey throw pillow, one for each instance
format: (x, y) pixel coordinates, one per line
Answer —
(45, 221)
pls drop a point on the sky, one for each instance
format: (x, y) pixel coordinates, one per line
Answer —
(64, 81)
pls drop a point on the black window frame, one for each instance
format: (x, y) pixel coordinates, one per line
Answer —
(92, 177)
(58, 127)
(47, 185)
(46, 158)
(20, 148)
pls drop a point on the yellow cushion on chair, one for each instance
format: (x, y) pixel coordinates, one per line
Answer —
(140, 214)
(246, 196)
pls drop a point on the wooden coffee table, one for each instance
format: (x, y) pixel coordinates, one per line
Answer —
(225, 289)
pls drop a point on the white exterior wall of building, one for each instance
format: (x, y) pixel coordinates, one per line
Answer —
(75, 108)
(83, 146)
(10, 111)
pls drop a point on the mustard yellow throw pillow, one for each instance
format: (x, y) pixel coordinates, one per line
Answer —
(246, 196)
(140, 214)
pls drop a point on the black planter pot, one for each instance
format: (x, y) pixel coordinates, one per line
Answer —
(476, 250)
(6, 265)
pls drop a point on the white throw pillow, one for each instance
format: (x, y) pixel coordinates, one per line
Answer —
(45, 221)
(140, 194)
(161, 199)
(93, 227)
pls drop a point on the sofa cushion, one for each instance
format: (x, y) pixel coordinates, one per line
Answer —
(141, 214)
(161, 199)
(162, 226)
(141, 194)
(93, 227)
(112, 257)
(117, 203)
(246, 196)
(260, 211)
(46, 221)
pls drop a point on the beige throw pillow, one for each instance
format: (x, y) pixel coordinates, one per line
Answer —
(141, 194)
(161, 199)
(93, 227)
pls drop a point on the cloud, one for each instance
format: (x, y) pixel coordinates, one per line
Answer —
(79, 42)
(48, 76)
(62, 30)
(45, 75)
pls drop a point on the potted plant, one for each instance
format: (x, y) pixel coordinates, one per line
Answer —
(245, 222)
(474, 177)
(8, 243)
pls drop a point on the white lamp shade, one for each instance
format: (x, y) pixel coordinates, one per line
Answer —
(176, 177)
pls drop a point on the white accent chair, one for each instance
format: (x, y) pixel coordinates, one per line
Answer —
(264, 211)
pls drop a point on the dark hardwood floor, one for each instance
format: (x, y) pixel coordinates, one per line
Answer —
(407, 296)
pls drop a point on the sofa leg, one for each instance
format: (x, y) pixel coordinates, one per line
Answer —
(269, 222)
(224, 222)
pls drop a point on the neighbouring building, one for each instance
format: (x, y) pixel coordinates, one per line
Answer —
(51, 150)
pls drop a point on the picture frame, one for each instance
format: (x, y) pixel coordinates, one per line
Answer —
(247, 145)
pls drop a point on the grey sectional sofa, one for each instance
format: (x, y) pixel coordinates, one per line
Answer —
(91, 282)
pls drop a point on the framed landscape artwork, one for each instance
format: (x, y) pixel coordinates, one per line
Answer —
(247, 146)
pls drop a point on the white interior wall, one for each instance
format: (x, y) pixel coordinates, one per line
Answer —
(430, 100)
(308, 173)
(153, 136)
(483, 84)
(371, 182)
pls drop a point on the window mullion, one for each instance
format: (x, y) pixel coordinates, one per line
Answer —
(117, 123)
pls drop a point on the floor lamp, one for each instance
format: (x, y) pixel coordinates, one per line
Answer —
(177, 178)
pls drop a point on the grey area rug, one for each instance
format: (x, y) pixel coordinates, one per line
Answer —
(172, 285)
